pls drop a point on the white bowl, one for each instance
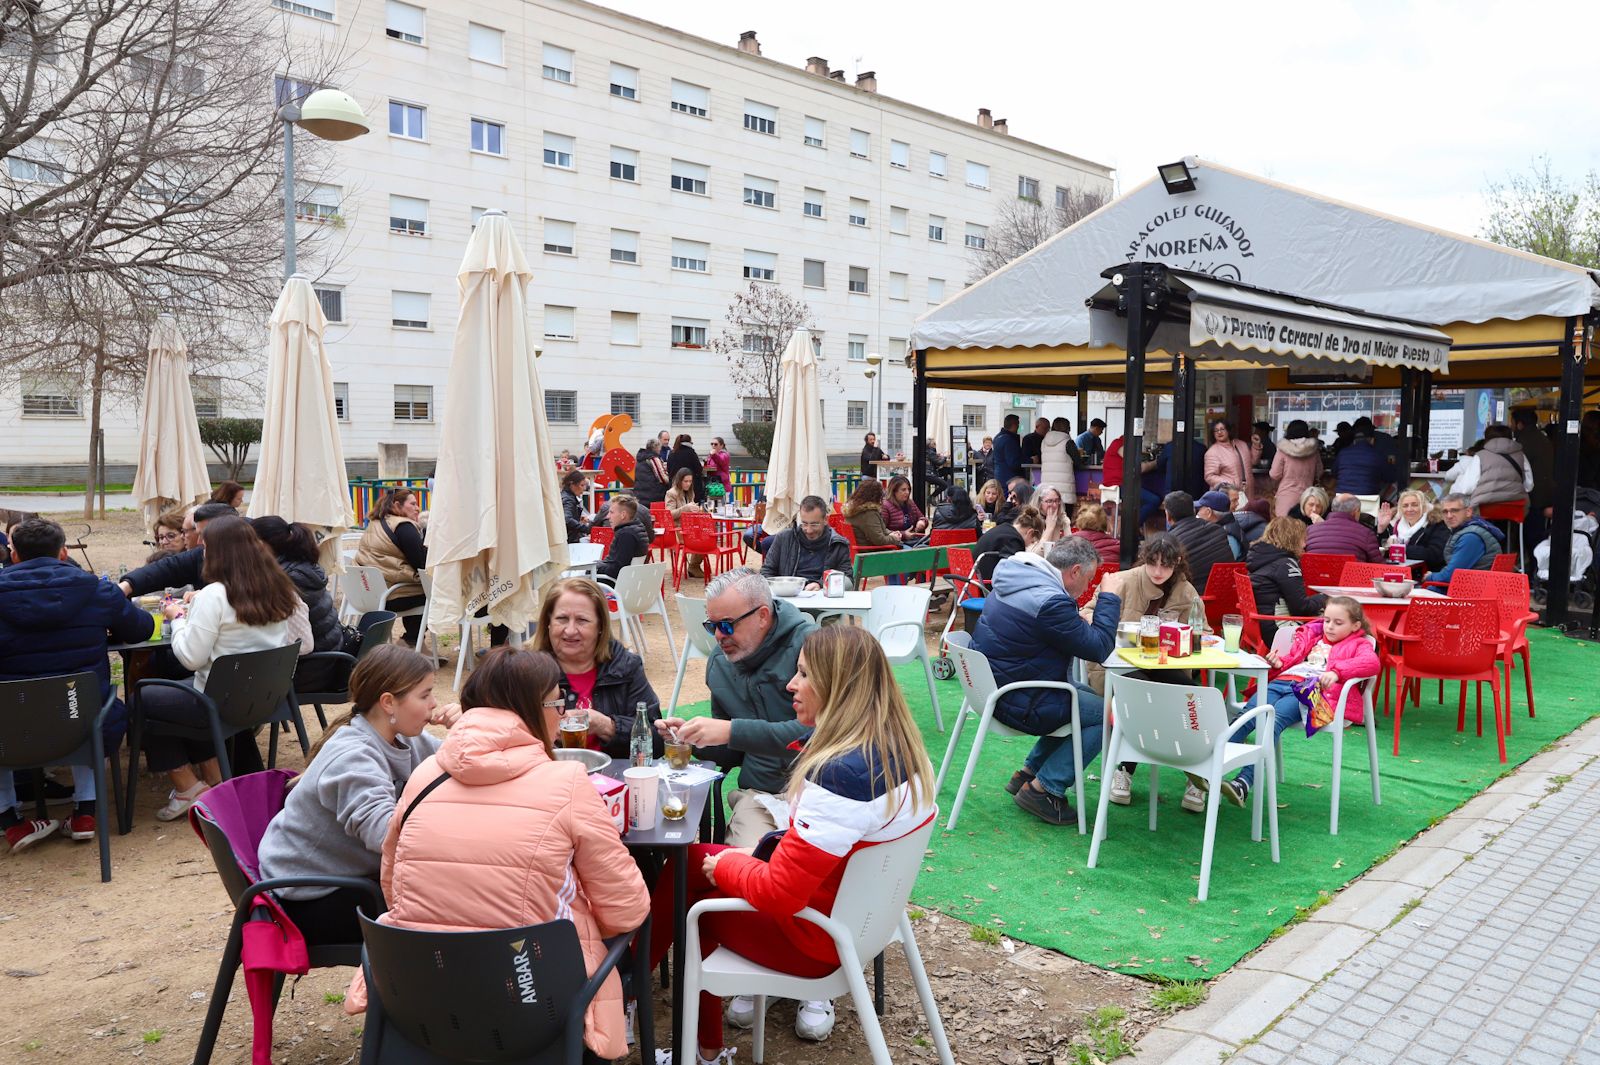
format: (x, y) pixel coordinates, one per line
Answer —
(594, 761)
(1393, 589)
(786, 586)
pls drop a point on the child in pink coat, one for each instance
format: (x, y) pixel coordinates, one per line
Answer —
(1335, 651)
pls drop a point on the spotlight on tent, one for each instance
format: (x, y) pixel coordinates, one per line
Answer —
(1177, 177)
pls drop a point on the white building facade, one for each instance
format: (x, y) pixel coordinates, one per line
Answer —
(651, 175)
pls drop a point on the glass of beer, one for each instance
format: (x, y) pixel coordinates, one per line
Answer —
(1149, 636)
(678, 754)
(674, 800)
(575, 728)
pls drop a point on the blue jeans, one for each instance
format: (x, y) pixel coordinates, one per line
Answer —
(1051, 758)
(1149, 503)
(1286, 711)
(82, 787)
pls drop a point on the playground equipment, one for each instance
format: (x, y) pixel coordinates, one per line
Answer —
(603, 454)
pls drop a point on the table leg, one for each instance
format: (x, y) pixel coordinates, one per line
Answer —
(680, 930)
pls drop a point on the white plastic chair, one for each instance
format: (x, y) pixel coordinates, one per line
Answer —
(349, 544)
(979, 689)
(362, 588)
(896, 620)
(697, 643)
(1186, 727)
(1111, 500)
(869, 913)
(638, 591)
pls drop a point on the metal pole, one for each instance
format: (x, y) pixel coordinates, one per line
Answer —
(1404, 437)
(289, 234)
(1133, 414)
(919, 415)
(1569, 411)
(1182, 424)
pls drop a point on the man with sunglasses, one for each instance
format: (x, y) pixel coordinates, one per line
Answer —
(809, 549)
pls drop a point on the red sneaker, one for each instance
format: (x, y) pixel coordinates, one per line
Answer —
(81, 826)
(27, 833)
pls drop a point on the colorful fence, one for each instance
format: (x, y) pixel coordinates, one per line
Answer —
(364, 493)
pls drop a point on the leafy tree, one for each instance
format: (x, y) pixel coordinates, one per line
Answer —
(1540, 211)
(230, 440)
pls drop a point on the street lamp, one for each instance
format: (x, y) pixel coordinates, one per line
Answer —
(875, 360)
(327, 113)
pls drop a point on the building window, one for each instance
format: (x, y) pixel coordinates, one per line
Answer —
(486, 44)
(690, 177)
(972, 416)
(1028, 188)
(816, 132)
(317, 203)
(51, 396)
(816, 274)
(860, 144)
(408, 120)
(938, 165)
(858, 279)
(758, 344)
(413, 403)
(332, 302)
(285, 90)
(37, 160)
(624, 246)
(760, 192)
(624, 164)
(322, 9)
(858, 212)
(813, 203)
(404, 22)
(626, 403)
(935, 290)
(760, 265)
(899, 286)
(936, 228)
(558, 63)
(977, 175)
(691, 410)
(977, 236)
(896, 428)
(560, 238)
(691, 255)
(560, 323)
(899, 221)
(488, 137)
(856, 347)
(758, 410)
(408, 215)
(408, 310)
(341, 400)
(855, 414)
(900, 155)
(689, 332)
(624, 81)
(558, 150)
(477, 215)
(760, 118)
(691, 99)
(207, 392)
(561, 407)
(624, 331)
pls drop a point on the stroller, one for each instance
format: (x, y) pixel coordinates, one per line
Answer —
(1584, 531)
(971, 591)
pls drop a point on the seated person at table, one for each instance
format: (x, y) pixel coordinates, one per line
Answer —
(1342, 532)
(392, 543)
(1204, 544)
(573, 484)
(167, 533)
(512, 836)
(680, 500)
(1013, 532)
(991, 500)
(1312, 507)
(295, 547)
(1214, 507)
(900, 512)
(1418, 524)
(1030, 629)
(337, 814)
(598, 673)
(863, 779)
(864, 512)
(1473, 542)
(229, 493)
(246, 605)
(1336, 651)
(1057, 525)
(1278, 586)
(1092, 526)
(809, 548)
(630, 541)
(187, 566)
(54, 619)
(957, 511)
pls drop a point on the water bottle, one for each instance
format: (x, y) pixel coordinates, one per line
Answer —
(639, 740)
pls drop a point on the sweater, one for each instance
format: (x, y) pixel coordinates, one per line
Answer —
(1109, 546)
(1343, 534)
(336, 816)
(174, 571)
(1140, 596)
(212, 629)
(753, 695)
(792, 554)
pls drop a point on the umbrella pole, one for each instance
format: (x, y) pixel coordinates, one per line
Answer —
(919, 421)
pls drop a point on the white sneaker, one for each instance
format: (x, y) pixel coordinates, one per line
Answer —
(741, 1011)
(1194, 800)
(1121, 787)
(724, 1057)
(814, 1020)
(179, 802)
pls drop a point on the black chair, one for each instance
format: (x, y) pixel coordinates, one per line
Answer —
(243, 692)
(51, 721)
(503, 995)
(330, 670)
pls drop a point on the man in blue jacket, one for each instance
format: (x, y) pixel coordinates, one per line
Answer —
(1361, 468)
(1473, 542)
(1031, 630)
(1006, 459)
(54, 618)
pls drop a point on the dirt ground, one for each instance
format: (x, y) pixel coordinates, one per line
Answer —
(97, 972)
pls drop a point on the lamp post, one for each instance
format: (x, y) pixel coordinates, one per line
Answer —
(875, 361)
(327, 113)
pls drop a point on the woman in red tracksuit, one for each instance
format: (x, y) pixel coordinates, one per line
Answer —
(862, 778)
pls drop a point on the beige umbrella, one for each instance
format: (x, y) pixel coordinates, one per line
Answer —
(172, 460)
(496, 533)
(938, 421)
(799, 463)
(300, 473)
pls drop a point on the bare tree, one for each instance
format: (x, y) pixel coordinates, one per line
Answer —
(1023, 224)
(760, 320)
(1541, 212)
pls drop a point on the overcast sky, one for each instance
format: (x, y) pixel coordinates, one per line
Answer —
(1406, 107)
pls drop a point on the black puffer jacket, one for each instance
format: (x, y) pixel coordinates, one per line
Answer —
(790, 554)
(648, 485)
(1205, 545)
(312, 583)
(619, 687)
(572, 511)
(685, 457)
(1275, 577)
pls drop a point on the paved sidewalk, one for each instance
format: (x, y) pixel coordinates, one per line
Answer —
(1478, 942)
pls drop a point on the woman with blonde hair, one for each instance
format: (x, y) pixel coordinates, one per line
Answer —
(1312, 507)
(1093, 525)
(1418, 524)
(1057, 526)
(1275, 577)
(862, 779)
(991, 499)
(598, 674)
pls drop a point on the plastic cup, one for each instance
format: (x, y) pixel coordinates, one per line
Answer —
(1232, 630)
(644, 797)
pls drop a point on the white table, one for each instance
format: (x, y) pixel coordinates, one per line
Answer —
(1253, 666)
(584, 558)
(1368, 596)
(817, 603)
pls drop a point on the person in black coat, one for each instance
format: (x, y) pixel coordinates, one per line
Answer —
(1275, 577)
(573, 485)
(1204, 544)
(1011, 534)
(809, 549)
(957, 512)
(629, 538)
(871, 455)
(295, 548)
(180, 569)
(684, 457)
(650, 477)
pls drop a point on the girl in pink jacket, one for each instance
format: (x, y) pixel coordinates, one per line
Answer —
(1336, 651)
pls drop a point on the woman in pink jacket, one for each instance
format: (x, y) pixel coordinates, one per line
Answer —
(512, 837)
(1228, 459)
(719, 467)
(1296, 467)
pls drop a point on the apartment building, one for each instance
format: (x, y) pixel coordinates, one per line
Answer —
(651, 175)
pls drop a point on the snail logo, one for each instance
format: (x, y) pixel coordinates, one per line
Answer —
(1213, 323)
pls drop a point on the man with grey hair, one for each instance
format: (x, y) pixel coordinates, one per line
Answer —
(1473, 542)
(1342, 532)
(1031, 630)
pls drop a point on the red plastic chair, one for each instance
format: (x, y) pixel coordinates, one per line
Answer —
(1094, 582)
(1253, 640)
(1511, 591)
(839, 525)
(665, 546)
(697, 535)
(1222, 592)
(1449, 639)
(945, 538)
(1361, 574)
(602, 534)
(1513, 515)
(1318, 569)
(1503, 564)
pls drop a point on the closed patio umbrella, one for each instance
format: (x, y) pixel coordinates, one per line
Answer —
(938, 420)
(799, 463)
(496, 532)
(172, 460)
(300, 473)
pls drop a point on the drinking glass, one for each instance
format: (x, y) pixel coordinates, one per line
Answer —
(674, 800)
(575, 728)
(678, 754)
(1232, 629)
(1149, 636)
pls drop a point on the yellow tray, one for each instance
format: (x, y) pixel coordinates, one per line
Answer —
(1206, 658)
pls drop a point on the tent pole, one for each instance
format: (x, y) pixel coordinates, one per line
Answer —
(1569, 411)
(1182, 423)
(1408, 415)
(1424, 413)
(1137, 277)
(919, 421)
(1082, 424)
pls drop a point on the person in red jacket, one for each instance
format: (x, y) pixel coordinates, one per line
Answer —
(862, 779)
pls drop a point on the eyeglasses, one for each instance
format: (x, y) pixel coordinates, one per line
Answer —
(726, 627)
(813, 525)
(554, 704)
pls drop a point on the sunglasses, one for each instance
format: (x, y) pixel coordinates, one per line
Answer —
(726, 626)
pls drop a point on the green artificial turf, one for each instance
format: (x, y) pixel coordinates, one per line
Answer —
(1137, 912)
